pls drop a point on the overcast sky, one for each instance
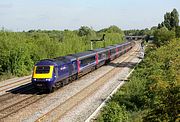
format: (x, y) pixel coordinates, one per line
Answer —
(18, 15)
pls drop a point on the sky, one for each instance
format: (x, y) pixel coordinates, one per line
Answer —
(19, 15)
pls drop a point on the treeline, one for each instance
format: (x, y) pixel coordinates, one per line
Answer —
(19, 51)
(152, 93)
(137, 32)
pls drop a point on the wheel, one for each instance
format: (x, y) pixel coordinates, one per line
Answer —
(75, 77)
(64, 82)
(93, 68)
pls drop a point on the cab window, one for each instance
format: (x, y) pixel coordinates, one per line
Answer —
(42, 69)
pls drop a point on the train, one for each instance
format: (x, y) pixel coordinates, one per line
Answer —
(49, 74)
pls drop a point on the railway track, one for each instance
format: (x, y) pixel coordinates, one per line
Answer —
(59, 111)
(9, 86)
(92, 117)
(25, 101)
(9, 95)
(18, 98)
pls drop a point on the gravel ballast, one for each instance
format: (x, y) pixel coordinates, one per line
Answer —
(81, 112)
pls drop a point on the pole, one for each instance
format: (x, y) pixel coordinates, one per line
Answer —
(91, 45)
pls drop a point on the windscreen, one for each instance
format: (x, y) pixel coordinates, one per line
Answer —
(42, 69)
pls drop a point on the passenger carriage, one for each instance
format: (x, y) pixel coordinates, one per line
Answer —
(86, 62)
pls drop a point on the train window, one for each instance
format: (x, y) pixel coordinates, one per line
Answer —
(101, 56)
(87, 61)
(113, 51)
(42, 69)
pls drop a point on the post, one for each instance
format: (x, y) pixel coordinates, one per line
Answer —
(91, 45)
(104, 43)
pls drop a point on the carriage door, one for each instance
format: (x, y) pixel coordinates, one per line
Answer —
(56, 72)
(70, 69)
(74, 67)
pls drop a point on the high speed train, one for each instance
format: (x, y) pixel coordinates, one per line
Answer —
(57, 72)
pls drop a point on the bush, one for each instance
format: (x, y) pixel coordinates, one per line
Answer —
(178, 32)
(113, 113)
(163, 36)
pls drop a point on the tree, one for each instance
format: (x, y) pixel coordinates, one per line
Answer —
(178, 32)
(162, 36)
(174, 18)
(167, 20)
(154, 28)
(112, 29)
(84, 31)
(171, 20)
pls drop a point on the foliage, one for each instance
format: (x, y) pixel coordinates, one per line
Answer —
(142, 32)
(113, 113)
(165, 84)
(178, 32)
(168, 29)
(153, 90)
(85, 31)
(14, 54)
(162, 36)
(21, 50)
(111, 29)
(171, 20)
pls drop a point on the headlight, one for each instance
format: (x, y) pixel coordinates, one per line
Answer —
(34, 79)
(48, 79)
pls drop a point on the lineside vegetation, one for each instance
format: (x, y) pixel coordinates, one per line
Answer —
(153, 90)
(19, 51)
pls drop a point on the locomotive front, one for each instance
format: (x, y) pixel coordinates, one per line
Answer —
(43, 75)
